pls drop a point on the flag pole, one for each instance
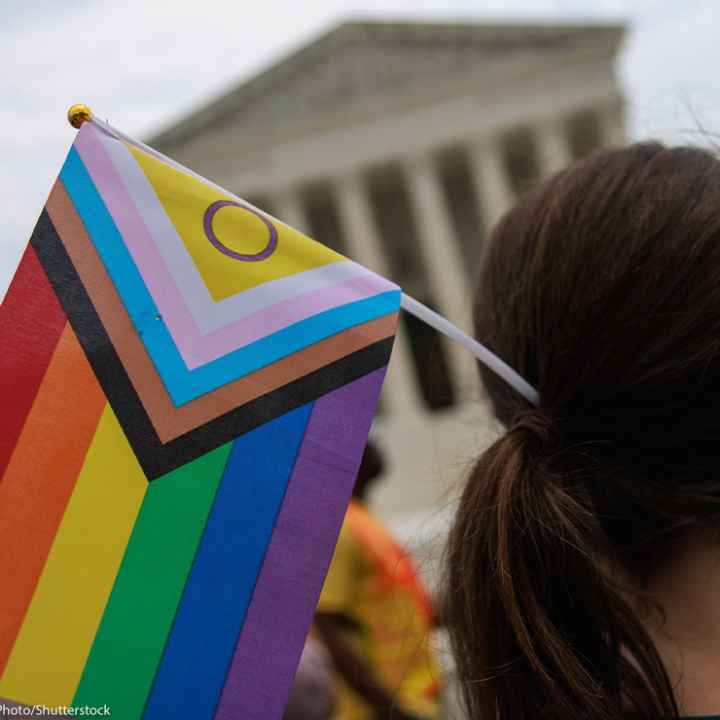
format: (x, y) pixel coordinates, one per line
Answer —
(483, 354)
(79, 114)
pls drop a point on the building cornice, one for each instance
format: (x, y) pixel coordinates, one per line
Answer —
(515, 92)
(525, 40)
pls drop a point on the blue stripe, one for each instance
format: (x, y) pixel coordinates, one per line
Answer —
(184, 385)
(199, 650)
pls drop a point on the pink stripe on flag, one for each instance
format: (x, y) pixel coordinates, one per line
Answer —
(137, 238)
(198, 349)
(281, 315)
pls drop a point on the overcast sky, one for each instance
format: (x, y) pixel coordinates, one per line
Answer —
(142, 63)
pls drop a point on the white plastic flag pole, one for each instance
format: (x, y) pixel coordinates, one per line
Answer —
(485, 356)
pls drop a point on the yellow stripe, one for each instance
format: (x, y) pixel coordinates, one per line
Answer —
(52, 647)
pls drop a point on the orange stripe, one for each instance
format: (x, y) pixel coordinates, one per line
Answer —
(40, 477)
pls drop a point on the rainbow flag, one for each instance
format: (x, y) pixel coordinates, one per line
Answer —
(187, 388)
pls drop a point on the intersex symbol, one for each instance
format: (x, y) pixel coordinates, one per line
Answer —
(207, 225)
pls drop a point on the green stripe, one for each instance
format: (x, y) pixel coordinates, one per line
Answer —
(139, 614)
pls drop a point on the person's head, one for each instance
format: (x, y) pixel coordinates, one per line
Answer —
(372, 467)
(602, 289)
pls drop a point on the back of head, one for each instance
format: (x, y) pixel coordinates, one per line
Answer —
(601, 289)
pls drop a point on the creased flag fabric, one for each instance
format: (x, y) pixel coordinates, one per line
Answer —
(190, 384)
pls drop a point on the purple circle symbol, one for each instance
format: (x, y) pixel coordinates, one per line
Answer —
(268, 250)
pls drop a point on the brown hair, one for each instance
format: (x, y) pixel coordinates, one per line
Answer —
(602, 288)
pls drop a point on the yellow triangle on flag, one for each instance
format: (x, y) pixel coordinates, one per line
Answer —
(219, 235)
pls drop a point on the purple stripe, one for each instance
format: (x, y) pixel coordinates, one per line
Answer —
(289, 583)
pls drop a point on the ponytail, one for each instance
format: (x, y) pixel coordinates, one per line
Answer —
(539, 628)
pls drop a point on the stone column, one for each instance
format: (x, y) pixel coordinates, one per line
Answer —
(445, 269)
(401, 390)
(494, 192)
(287, 206)
(611, 118)
(553, 147)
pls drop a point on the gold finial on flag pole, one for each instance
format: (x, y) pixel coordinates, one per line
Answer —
(78, 114)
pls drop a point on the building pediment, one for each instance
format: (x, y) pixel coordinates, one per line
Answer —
(359, 63)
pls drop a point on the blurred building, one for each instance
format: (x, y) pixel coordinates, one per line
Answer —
(399, 144)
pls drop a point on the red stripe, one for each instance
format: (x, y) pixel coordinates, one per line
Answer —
(40, 478)
(31, 321)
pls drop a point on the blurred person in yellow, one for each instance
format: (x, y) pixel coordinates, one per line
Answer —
(375, 617)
